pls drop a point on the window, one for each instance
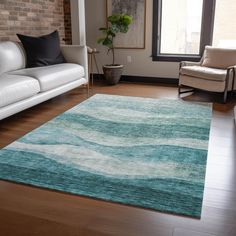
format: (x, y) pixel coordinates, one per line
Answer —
(224, 34)
(181, 28)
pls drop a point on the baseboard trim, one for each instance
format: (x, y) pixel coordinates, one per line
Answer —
(142, 79)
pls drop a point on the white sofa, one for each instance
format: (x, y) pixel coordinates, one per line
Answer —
(21, 88)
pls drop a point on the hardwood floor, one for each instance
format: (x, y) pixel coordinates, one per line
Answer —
(30, 211)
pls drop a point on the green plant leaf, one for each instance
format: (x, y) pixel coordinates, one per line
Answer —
(100, 40)
(108, 42)
(127, 20)
(115, 28)
(124, 29)
(102, 29)
(111, 33)
(113, 18)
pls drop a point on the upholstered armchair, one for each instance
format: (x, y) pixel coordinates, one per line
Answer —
(215, 72)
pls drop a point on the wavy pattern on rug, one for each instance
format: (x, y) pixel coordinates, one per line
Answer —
(138, 151)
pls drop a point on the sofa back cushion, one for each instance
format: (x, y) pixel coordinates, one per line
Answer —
(220, 58)
(12, 57)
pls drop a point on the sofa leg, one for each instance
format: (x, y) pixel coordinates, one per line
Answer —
(87, 86)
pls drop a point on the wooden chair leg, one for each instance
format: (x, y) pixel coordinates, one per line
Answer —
(96, 64)
(225, 96)
(179, 91)
(226, 86)
(91, 72)
(190, 90)
(90, 69)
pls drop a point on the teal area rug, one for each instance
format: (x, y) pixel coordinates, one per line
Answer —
(137, 151)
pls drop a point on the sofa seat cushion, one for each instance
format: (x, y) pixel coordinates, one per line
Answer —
(14, 88)
(50, 77)
(204, 72)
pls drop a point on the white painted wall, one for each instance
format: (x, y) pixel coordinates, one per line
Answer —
(225, 23)
(142, 64)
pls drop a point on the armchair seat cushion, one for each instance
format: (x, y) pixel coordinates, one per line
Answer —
(204, 72)
(54, 76)
(15, 88)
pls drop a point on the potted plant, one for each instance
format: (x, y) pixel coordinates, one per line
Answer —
(117, 23)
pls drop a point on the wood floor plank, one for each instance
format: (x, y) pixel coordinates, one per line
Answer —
(184, 232)
(24, 225)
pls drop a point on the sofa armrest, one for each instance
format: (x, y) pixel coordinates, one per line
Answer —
(76, 54)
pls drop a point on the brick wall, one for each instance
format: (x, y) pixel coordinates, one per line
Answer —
(34, 17)
(67, 22)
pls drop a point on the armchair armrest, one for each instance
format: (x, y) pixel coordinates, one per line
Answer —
(231, 68)
(189, 63)
(76, 54)
(231, 71)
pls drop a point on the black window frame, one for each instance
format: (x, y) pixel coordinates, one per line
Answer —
(207, 27)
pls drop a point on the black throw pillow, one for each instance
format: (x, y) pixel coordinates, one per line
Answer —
(42, 51)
